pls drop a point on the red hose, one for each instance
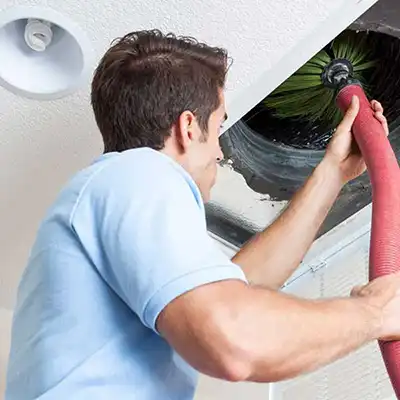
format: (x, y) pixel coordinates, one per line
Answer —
(384, 172)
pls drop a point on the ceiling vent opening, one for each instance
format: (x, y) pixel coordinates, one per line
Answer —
(382, 82)
(276, 156)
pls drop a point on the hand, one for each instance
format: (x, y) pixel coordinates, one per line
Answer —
(383, 297)
(342, 151)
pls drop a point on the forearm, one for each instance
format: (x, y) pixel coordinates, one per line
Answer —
(285, 336)
(271, 256)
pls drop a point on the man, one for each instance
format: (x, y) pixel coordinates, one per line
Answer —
(125, 295)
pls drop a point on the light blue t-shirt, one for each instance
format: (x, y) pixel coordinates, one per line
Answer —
(125, 237)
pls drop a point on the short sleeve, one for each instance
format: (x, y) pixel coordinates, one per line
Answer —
(152, 243)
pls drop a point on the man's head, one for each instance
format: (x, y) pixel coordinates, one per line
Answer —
(166, 93)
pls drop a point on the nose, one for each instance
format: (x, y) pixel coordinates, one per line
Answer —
(220, 155)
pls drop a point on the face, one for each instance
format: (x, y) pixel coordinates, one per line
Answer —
(205, 153)
(198, 152)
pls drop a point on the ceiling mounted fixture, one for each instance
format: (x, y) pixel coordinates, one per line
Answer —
(44, 55)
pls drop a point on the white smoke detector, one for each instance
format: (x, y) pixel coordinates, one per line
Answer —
(43, 54)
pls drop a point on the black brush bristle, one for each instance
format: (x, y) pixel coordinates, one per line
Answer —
(306, 96)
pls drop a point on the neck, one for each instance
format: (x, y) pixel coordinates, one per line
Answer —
(184, 162)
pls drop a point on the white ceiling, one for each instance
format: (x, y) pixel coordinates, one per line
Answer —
(43, 143)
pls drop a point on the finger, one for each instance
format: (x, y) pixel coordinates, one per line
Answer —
(376, 106)
(350, 116)
(382, 119)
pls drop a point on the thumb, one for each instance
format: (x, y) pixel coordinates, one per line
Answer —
(351, 114)
(356, 291)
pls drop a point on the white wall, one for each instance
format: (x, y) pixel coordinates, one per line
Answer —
(5, 327)
(213, 389)
(361, 375)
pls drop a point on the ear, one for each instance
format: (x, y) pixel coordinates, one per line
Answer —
(186, 129)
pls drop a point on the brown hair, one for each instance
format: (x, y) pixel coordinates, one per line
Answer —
(146, 80)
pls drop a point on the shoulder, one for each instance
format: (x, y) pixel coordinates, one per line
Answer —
(139, 178)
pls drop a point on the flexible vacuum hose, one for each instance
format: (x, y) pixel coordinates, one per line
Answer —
(384, 172)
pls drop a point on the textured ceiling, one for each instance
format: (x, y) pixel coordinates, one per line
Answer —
(43, 143)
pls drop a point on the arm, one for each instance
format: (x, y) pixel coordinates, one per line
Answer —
(237, 332)
(265, 259)
(272, 256)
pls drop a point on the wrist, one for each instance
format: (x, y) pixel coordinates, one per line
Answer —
(373, 318)
(329, 172)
